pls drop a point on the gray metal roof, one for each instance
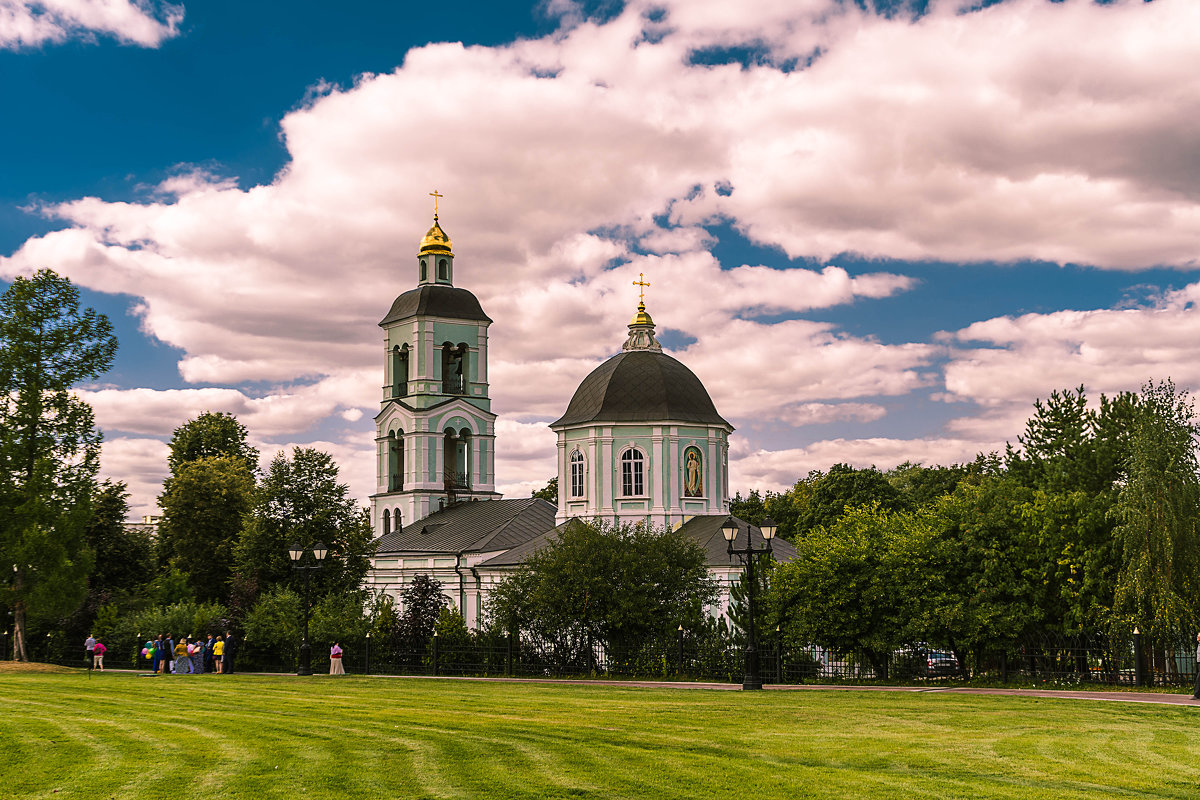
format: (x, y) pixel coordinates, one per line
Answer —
(641, 386)
(436, 300)
(705, 531)
(472, 527)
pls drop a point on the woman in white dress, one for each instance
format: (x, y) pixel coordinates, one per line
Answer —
(335, 660)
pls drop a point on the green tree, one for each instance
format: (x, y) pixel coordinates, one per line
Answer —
(1157, 514)
(49, 444)
(750, 508)
(210, 435)
(843, 488)
(987, 569)
(300, 500)
(617, 585)
(857, 585)
(338, 617)
(274, 621)
(124, 562)
(421, 604)
(203, 504)
(788, 508)
(920, 485)
(549, 492)
(1068, 446)
(124, 555)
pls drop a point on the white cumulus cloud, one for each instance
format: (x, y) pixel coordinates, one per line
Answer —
(30, 23)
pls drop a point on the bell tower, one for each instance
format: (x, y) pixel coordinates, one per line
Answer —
(435, 431)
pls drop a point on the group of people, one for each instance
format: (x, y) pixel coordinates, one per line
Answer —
(95, 650)
(190, 657)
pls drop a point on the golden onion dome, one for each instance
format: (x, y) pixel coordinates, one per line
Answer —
(641, 317)
(436, 240)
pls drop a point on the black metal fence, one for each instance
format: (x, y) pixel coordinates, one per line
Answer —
(1096, 660)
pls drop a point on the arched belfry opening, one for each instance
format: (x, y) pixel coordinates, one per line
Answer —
(400, 371)
(395, 442)
(456, 455)
(454, 368)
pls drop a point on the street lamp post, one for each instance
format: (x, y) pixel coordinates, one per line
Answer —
(296, 553)
(748, 555)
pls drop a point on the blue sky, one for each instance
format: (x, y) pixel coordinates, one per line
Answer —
(876, 237)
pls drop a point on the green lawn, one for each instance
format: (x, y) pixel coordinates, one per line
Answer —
(117, 735)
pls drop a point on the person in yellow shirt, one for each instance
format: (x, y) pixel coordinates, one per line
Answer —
(181, 656)
(218, 653)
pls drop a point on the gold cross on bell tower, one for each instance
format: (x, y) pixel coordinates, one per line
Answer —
(641, 284)
(434, 194)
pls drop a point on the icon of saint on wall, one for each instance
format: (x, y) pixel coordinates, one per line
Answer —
(693, 473)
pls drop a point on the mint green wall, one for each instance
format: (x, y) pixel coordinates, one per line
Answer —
(455, 333)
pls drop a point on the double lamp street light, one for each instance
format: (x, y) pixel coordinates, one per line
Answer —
(748, 555)
(296, 554)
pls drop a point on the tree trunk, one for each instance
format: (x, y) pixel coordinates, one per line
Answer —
(20, 653)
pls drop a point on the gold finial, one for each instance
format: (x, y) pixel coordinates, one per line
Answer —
(641, 317)
(436, 240)
(641, 284)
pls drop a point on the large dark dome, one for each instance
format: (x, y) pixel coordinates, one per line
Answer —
(435, 300)
(641, 386)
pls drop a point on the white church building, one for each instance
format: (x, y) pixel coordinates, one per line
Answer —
(640, 441)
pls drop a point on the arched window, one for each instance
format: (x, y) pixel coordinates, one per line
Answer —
(395, 461)
(454, 368)
(424, 271)
(633, 473)
(456, 455)
(443, 270)
(387, 522)
(576, 474)
(400, 371)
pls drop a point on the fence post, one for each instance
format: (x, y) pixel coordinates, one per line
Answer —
(367, 657)
(508, 642)
(778, 656)
(1004, 666)
(679, 659)
(1139, 667)
(435, 653)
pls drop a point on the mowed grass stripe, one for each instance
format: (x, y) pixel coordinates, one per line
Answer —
(251, 736)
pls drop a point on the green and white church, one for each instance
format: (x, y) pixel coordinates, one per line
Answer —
(640, 441)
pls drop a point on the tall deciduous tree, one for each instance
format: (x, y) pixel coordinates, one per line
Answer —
(49, 444)
(204, 500)
(843, 488)
(300, 500)
(203, 504)
(210, 435)
(421, 602)
(1157, 515)
(124, 555)
(619, 585)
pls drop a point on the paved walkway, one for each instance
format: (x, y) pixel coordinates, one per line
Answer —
(1180, 699)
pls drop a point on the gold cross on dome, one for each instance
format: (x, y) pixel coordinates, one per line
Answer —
(641, 284)
(434, 194)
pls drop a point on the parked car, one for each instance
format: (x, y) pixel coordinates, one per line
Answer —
(938, 663)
